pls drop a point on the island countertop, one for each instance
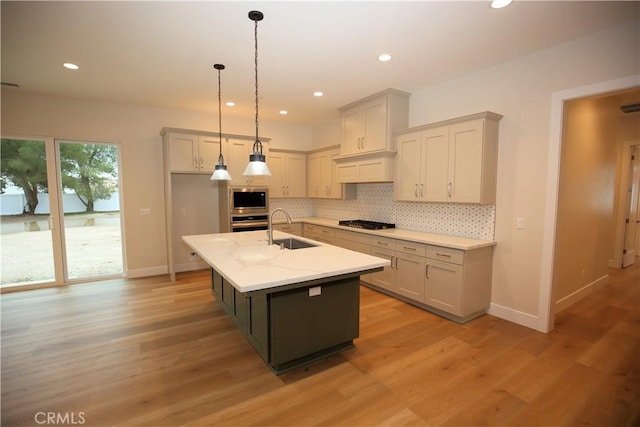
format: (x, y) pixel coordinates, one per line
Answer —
(248, 263)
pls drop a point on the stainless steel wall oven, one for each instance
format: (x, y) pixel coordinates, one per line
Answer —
(245, 209)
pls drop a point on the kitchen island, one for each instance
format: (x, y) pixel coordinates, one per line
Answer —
(294, 306)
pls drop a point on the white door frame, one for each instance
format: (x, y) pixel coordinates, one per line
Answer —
(626, 177)
(546, 304)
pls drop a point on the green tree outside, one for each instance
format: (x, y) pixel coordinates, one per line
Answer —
(24, 164)
(88, 169)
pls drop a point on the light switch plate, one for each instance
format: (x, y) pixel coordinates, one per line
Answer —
(520, 223)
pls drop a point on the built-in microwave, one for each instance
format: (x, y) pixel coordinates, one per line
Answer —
(248, 201)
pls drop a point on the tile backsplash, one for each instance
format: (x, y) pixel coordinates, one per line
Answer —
(375, 202)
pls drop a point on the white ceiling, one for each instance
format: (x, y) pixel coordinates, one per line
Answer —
(162, 53)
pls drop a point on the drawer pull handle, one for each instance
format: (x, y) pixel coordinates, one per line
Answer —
(444, 255)
(382, 243)
(409, 249)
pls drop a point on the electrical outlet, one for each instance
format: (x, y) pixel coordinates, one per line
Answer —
(145, 212)
(520, 223)
(315, 291)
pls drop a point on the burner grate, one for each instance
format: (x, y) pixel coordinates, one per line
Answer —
(368, 225)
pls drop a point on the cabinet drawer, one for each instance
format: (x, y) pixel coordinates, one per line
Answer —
(317, 229)
(412, 248)
(455, 256)
(352, 245)
(352, 237)
(383, 242)
(294, 228)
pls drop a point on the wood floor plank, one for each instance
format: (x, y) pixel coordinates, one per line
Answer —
(149, 352)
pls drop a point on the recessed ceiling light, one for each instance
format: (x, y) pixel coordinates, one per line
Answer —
(70, 66)
(230, 104)
(317, 93)
(284, 112)
(499, 4)
(384, 57)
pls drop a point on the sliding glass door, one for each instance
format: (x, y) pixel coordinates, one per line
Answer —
(91, 206)
(60, 211)
(26, 238)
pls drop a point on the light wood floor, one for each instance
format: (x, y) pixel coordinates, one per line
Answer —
(149, 352)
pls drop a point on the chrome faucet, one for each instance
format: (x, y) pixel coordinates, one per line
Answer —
(270, 229)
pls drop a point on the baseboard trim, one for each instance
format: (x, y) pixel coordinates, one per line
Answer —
(514, 316)
(576, 296)
(146, 272)
(190, 266)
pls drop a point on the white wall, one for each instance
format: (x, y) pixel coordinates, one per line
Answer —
(137, 130)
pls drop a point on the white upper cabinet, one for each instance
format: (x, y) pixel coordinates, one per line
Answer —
(322, 177)
(452, 161)
(191, 153)
(288, 174)
(368, 124)
(237, 160)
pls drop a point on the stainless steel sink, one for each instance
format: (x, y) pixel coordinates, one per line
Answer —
(291, 243)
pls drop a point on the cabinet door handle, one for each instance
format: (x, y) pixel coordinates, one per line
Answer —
(195, 162)
(426, 272)
(421, 190)
(396, 264)
(201, 161)
(364, 141)
(444, 255)
(416, 191)
(450, 185)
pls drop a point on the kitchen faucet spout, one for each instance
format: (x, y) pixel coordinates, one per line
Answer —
(270, 229)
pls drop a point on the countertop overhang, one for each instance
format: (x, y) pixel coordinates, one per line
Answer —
(248, 263)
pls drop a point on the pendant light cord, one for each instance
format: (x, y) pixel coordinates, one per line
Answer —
(219, 115)
(257, 144)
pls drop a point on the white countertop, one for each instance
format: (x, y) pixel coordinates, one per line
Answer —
(455, 242)
(248, 263)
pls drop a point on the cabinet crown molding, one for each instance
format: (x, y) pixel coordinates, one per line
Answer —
(484, 115)
(165, 130)
(374, 96)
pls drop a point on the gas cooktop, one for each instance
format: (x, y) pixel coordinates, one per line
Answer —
(368, 225)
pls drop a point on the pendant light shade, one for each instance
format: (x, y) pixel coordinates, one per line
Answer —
(220, 173)
(257, 165)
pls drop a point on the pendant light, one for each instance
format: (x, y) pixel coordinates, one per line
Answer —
(257, 165)
(220, 173)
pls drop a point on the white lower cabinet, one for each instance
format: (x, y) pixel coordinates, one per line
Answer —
(406, 274)
(293, 228)
(459, 282)
(319, 233)
(451, 282)
(444, 286)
